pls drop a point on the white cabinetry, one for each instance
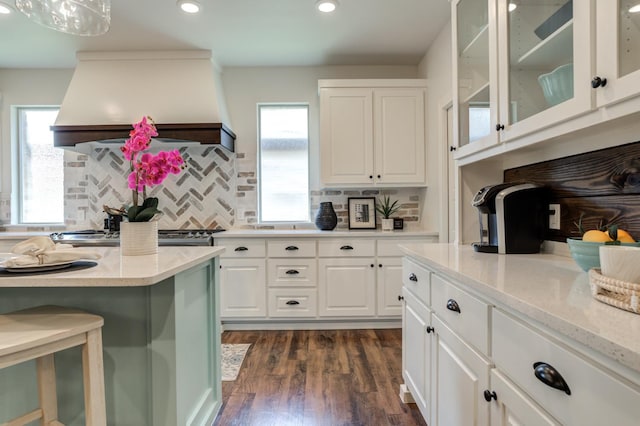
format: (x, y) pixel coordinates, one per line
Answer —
(242, 279)
(347, 278)
(372, 132)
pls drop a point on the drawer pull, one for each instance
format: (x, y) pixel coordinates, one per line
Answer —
(241, 248)
(489, 395)
(412, 277)
(291, 248)
(452, 305)
(346, 248)
(550, 377)
(292, 302)
(292, 272)
(430, 329)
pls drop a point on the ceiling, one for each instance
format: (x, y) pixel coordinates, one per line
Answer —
(243, 33)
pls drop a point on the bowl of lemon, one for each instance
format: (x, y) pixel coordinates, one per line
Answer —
(586, 250)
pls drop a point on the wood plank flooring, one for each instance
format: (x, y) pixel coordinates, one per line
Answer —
(317, 377)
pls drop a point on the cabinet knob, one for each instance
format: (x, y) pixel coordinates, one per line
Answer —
(241, 249)
(292, 272)
(489, 395)
(379, 176)
(292, 302)
(452, 305)
(430, 329)
(499, 127)
(379, 265)
(370, 176)
(452, 148)
(550, 377)
(598, 82)
(412, 277)
(400, 298)
(291, 248)
(372, 265)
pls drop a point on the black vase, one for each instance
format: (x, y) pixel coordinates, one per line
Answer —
(326, 218)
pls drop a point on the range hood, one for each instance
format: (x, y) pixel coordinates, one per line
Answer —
(180, 90)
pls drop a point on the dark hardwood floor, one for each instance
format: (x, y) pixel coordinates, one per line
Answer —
(317, 377)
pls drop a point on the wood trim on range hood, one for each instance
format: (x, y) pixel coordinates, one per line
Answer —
(202, 133)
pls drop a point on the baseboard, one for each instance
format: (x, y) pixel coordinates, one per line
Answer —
(309, 325)
(405, 395)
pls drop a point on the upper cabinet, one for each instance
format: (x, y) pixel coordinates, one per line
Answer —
(520, 66)
(618, 48)
(372, 133)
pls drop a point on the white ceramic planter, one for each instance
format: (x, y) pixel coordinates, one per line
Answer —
(138, 238)
(387, 224)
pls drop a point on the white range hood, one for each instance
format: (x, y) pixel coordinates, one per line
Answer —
(180, 90)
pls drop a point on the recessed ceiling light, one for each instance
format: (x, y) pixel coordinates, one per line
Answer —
(327, 5)
(5, 9)
(189, 6)
(635, 8)
(512, 7)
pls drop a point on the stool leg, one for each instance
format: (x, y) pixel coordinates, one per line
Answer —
(93, 377)
(47, 388)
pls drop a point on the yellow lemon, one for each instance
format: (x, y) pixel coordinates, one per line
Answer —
(625, 237)
(596, 236)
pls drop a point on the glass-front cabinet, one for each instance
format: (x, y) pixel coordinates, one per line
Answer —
(618, 50)
(522, 65)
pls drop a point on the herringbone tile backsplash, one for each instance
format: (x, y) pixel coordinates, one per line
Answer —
(201, 196)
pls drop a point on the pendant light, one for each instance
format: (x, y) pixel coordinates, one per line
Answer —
(77, 17)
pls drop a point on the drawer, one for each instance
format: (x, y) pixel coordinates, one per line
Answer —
(294, 302)
(463, 313)
(597, 398)
(346, 248)
(390, 247)
(242, 247)
(291, 248)
(292, 272)
(417, 279)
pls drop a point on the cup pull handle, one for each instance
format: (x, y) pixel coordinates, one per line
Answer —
(550, 377)
(412, 277)
(292, 272)
(291, 248)
(452, 305)
(241, 249)
(346, 248)
(292, 302)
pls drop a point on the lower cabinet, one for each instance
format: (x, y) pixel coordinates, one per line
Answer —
(347, 287)
(242, 288)
(389, 285)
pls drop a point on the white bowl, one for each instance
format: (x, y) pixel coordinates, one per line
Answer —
(620, 262)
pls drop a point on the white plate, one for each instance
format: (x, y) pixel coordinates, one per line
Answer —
(38, 268)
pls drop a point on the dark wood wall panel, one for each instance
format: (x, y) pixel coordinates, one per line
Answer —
(603, 185)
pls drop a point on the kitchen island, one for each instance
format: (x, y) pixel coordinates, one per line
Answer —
(161, 336)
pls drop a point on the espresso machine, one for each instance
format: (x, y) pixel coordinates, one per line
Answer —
(516, 217)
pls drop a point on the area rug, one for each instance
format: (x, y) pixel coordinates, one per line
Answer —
(232, 358)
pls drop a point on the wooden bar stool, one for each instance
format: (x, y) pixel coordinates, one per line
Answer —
(38, 333)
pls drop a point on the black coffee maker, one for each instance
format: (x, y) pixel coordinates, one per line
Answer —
(516, 215)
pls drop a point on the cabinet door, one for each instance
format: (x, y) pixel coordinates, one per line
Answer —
(545, 63)
(462, 375)
(512, 407)
(416, 352)
(475, 65)
(618, 58)
(399, 136)
(347, 287)
(346, 135)
(243, 289)
(389, 285)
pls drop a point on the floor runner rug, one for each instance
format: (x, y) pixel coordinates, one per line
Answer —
(232, 358)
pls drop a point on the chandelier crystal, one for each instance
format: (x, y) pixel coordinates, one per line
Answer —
(77, 17)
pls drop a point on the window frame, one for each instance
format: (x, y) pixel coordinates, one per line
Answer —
(18, 169)
(259, 163)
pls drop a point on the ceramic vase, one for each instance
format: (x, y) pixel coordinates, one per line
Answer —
(387, 224)
(326, 218)
(138, 238)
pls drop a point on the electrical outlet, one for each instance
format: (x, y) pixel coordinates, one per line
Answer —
(554, 216)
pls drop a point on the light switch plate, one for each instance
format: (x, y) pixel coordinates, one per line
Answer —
(554, 216)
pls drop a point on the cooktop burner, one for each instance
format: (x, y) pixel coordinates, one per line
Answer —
(166, 237)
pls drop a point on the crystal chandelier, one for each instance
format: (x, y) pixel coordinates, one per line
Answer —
(78, 17)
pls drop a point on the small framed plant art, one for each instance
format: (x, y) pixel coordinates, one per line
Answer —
(362, 213)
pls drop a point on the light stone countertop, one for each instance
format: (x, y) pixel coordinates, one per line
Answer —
(550, 289)
(114, 270)
(316, 233)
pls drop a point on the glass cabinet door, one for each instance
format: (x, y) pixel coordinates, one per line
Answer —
(474, 32)
(540, 56)
(618, 47)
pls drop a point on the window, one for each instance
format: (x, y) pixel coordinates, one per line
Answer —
(283, 161)
(40, 168)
